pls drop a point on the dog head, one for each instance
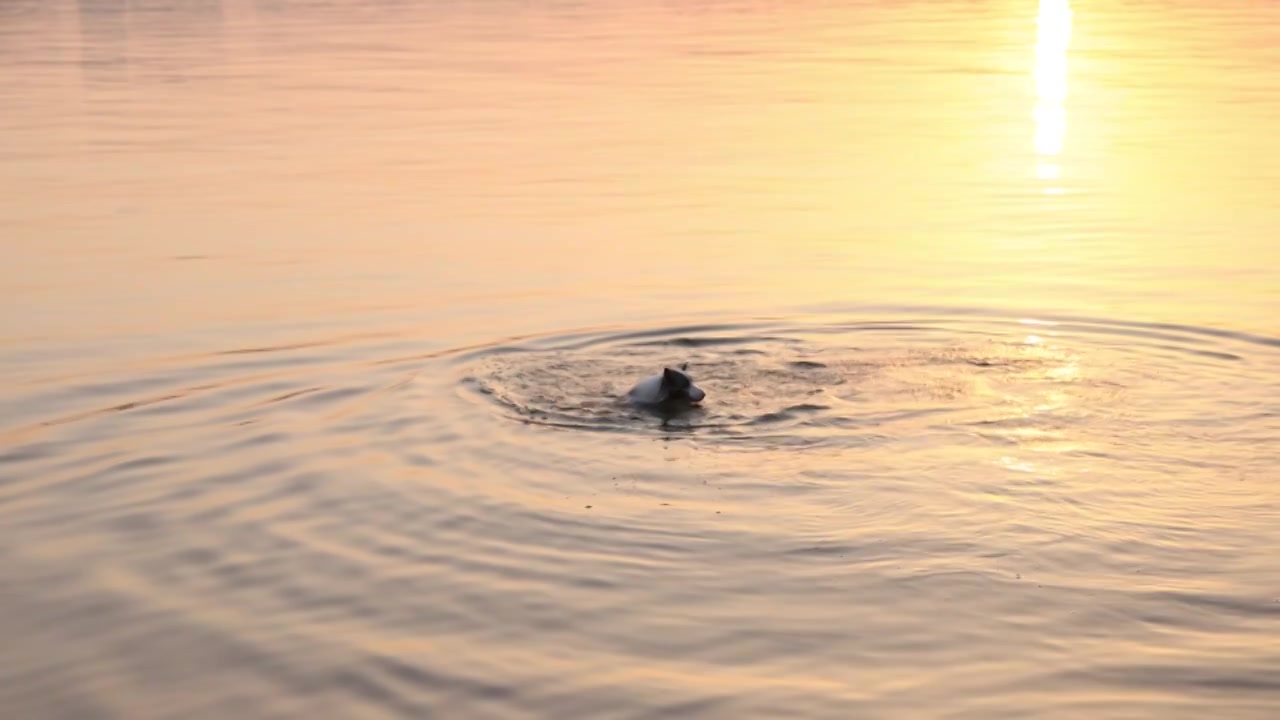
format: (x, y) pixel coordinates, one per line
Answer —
(677, 385)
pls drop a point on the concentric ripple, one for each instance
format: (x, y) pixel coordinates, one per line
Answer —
(907, 513)
(821, 381)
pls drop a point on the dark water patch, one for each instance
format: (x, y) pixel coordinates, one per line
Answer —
(1211, 354)
(330, 396)
(260, 440)
(292, 394)
(826, 550)
(790, 413)
(140, 463)
(1259, 679)
(1228, 606)
(27, 453)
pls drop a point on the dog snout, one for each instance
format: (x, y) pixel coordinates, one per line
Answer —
(696, 394)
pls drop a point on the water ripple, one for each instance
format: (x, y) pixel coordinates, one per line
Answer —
(486, 531)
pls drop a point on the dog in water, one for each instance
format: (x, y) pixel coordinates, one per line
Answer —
(672, 388)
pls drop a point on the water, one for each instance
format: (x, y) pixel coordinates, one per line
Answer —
(317, 315)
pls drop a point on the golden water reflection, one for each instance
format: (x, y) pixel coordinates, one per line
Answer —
(787, 159)
(1052, 41)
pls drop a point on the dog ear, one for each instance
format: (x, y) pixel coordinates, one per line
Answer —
(670, 377)
(684, 365)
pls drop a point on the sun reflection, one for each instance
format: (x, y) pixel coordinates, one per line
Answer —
(1052, 40)
(1017, 464)
(1048, 171)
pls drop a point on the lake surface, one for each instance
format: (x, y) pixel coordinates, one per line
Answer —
(317, 313)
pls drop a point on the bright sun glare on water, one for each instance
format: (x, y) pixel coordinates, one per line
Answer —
(1052, 40)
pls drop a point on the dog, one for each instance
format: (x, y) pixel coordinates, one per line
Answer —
(672, 387)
